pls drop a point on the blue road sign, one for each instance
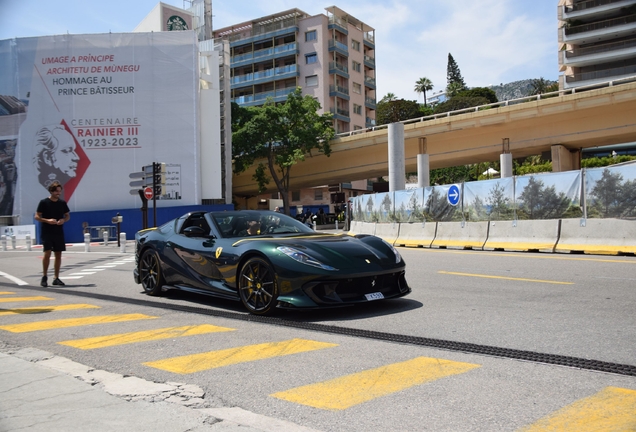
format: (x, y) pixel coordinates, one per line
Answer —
(453, 195)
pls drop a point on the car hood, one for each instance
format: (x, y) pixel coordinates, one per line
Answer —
(340, 251)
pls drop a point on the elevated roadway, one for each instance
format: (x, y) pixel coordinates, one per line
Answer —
(569, 123)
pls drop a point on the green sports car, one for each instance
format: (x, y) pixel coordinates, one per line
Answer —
(268, 261)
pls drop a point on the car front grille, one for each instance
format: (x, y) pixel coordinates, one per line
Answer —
(353, 290)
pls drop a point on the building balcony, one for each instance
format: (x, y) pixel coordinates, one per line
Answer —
(275, 31)
(605, 53)
(369, 61)
(595, 9)
(338, 24)
(600, 76)
(265, 54)
(338, 69)
(370, 103)
(341, 92)
(338, 47)
(340, 114)
(369, 40)
(598, 31)
(261, 77)
(370, 122)
(369, 81)
(261, 98)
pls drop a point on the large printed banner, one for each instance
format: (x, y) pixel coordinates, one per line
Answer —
(96, 108)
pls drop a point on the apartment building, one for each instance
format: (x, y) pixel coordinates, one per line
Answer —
(597, 41)
(330, 56)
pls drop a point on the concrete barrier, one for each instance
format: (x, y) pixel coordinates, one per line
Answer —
(356, 227)
(416, 234)
(461, 235)
(597, 236)
(523, 235)
(362, 228)
(387, 231)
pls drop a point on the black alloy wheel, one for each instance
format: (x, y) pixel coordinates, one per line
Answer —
(257, 286)
(150, 273)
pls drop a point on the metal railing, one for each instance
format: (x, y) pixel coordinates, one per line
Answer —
(264, 52)
(532, 98)
(586, 76)
(600, 48)
(588, 5)
(600, 25)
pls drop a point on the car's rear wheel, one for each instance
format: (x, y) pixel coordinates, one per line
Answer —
(150, 273)
(257, 286)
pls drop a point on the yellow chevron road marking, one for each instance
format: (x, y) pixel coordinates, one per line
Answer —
(347, 391)
(214, 359)
(143, 336)
(505, 277)
(46, 309)
(72, 322)
(16, 299)
(611, 409)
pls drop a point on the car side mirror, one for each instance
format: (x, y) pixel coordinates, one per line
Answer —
(194, 231)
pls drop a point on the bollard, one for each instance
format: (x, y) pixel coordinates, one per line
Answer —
(122, 242)
(105, 235)
(4, 242)
(87, 242)
(28, 242)
(313, 225)
(336, 223)
(13, 246)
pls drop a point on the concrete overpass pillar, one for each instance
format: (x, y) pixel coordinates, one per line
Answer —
(563, 159)
(397, 168)
(423, 165)
(505, 161)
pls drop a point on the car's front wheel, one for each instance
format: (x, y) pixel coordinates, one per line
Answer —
(150, 273)
(257, 286)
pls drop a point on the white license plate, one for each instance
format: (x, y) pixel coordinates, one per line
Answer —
(374, 296)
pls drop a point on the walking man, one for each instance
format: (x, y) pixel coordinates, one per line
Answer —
(52, 213)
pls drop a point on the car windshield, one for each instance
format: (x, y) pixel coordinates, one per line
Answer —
(256, 222)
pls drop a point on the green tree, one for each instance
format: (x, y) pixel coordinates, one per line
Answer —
(453, 76)
(395, 111)
(458, 103)
(610, 194)
(499, 203)
(541, 85)
(480, 92)
(389, 97)
(278, 136)
(423, 85)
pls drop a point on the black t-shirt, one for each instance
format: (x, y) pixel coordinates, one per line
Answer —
(52, 210)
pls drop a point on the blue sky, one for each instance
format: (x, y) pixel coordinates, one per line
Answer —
(492, 41)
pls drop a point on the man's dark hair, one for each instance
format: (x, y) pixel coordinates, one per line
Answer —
(55, 185)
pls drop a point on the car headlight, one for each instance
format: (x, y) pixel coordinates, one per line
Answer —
(398, 257)
(302, 257)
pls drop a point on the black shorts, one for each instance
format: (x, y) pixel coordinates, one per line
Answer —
(54, 243)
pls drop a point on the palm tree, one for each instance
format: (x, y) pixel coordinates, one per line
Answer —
(540, 86)
(390, 97)
(423, 85)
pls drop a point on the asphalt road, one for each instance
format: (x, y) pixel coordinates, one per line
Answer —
(309, 369)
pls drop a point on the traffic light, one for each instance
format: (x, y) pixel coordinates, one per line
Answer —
(155, 177)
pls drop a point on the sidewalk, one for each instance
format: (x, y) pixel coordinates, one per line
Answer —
(43, 392)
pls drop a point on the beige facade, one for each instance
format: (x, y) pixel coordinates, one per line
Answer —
(597, 41)
(330, 56)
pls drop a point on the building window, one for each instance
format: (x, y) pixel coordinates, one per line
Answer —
(311, 81)
(356, 127)
(355, 66)
(357, 88)
(318, 194)
(296, 195)
(355, 45)
(311, 58)
(357, 109)
(310, 36)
